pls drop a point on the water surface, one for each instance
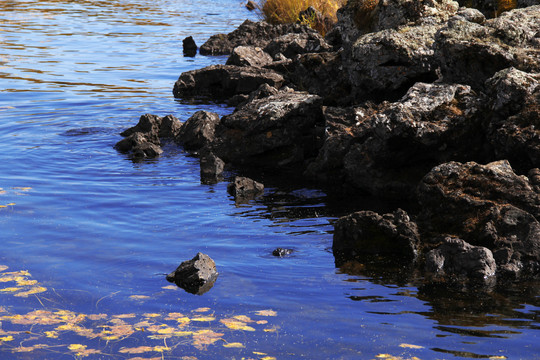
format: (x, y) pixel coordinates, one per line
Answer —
(98, 231)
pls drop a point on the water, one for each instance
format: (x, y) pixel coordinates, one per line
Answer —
(98, 231)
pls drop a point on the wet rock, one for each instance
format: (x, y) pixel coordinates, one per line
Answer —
(249, 56)
(457, 258)
(221, 82)
(198, 131)
(244, 188)
(250, 5)
(274, 131)
(189, 46)
(485, 205)
(366, 233)
(138, 146)
(281, 252)
(470, 53)
(211, 168)
(249, 33)
(143, 139)
(196, 276)
(293, 44)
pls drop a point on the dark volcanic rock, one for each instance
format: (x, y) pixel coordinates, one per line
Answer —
(470, 53)
(143, 139)
(197, 275)
(294, 44)
(189, 46)
(139, 146)
(244, 189)
(221, 82)
(368, 233)
(249, 33)
(274, 131)
(456, 258)
(198, 131)
(211, 168)
(485, 205)
(249, 56)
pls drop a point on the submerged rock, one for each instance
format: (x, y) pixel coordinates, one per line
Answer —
(211, 168)
(196, 276)
(281, 252)
(244, 189)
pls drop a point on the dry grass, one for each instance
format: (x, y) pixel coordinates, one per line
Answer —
(286, 12)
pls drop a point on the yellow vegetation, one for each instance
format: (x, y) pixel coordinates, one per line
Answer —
(505, 5)
(287, 12)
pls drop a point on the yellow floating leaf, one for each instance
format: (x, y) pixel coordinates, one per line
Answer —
(203, 338)
(11, 204)
(136, 350)
(203, 318)
(236, 325)
(23, 349)
(411, 346)
(51, 334)
(76, 347)
(268, 358)
(24, 282)
(161, 348)
(97, 316)
(243, 318)
(170, 287)
(497, 357)
(3, 267)
(11, 289)
(34, 290)
(234, 345)
(22, 188)
(385, 356)
(3, 206)
(266, 313)
(259, 353)
(202, 309)
(6, 338)
(151, 315)
(261, 322)
(270, 330)
(166, 331)
(123, 316)
(139, 297)
(12, 277)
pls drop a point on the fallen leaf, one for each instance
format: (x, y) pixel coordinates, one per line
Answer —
(125, 316)
(97, 316)
(32, 291)
(202, 309)
(234, 345)
(139, 297)
(6, 338)
(150, 315)
(170, 287)
(25, 282)
(161, 348)
(203, 318)
(266, 313)
(203, 338)
(51, 334)
(76, 347)
(3, 267)
(411, 346)
(11, 289)
(243, 318)
(234, 324)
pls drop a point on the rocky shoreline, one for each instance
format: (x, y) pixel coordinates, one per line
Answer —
(425, 102)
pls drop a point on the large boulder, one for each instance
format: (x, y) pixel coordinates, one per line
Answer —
(292, 44)
(386, 149)
(249, 56)
(221, 82)
(273, 131)
(198, 131)
(366, 233)
(470, 53)
(250, 33)
(485, 205)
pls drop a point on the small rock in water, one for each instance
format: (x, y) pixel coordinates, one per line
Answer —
(281, 252)
(211, 168)
(196, 276)
(244, 189)
(190, 48)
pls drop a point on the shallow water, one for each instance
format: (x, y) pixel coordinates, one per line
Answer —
(98, 231)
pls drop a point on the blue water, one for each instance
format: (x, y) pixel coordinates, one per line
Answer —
(95, 228)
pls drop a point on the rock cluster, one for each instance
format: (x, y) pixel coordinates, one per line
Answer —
(422, 101)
